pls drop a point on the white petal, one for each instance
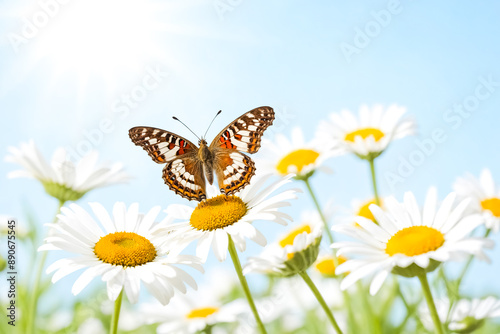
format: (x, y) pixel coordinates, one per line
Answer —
(220, 244)
(430, 207)
(119, 212)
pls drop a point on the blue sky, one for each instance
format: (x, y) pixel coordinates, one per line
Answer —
(433, 58)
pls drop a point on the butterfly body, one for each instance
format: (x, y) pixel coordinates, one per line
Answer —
(187, 166)
(207, 158)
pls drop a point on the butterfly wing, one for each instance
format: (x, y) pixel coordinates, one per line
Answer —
(184, 171)
(233, 168)
(185, 177)
(162, 146)
(245, 133)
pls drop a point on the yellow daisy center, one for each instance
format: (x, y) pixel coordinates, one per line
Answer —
(492, 205)
(125, 249)
(298, 158)
(414, 240)
(218, 212)
(201, 312)
(290, 237)
(365, 133)
(326, 265)
(364, 210)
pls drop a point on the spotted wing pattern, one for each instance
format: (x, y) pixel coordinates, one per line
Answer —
(234, 171)
(184, 172)
(162, 146)
(245, 133)
(233, 168)
(185, 177)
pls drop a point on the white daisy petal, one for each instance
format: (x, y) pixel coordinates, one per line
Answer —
(211, 229)
(463, 315)
(446, 228)
(220, 244)
(429, 206)
(155, 266)
(61, 174)
(378, 280)
(119, 213)
(104, 217)
(297, 156)
(484, 196)
(370, 132)
(279, 258)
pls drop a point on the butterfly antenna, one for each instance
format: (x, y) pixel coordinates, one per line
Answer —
(186, 127)
(218, 113)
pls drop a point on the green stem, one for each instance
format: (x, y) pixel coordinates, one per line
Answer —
(467, 265)
(208, 329)
(318, 207)
(374, 181)
(372, 319)
(321, 301)
(35, 293)
(352, 324)
(113, 328)
(430, 302)
(410, 309)
(454, 293)
(244, 284)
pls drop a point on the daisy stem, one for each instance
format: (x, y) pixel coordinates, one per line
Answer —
(35, 293)
(374, 181)
(244, 284)
(351, 318)
(208, 329)
(411, 308)
(318, 207)
(430, 302)
(467, 265)
(367, 308)
(113, 328)
(321, 301)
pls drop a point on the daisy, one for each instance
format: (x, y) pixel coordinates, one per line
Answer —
(216, 219)
(409, 242)
(485, 196)
(284, 156)
(367, 135)
(224, 222)
(191, 314)
(465, 316)
(407, 239)
(360, 208)
(325, 265)
(62, 178)
(124, 253)
(293, 253)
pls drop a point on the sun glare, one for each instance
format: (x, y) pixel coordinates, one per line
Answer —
(99, 36)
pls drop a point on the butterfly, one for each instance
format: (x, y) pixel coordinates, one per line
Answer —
(187, 165)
